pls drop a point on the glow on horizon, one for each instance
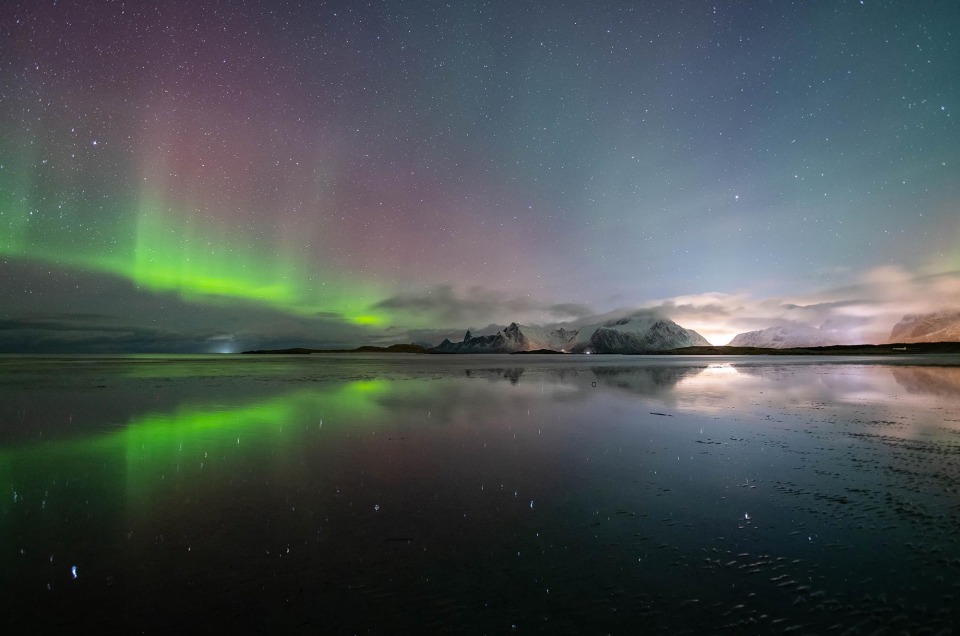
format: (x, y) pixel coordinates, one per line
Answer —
(717, 337)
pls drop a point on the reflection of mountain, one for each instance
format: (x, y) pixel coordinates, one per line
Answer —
(641, 380)
(509, 374)
(644, 380)
(763, 370)
(942, 381)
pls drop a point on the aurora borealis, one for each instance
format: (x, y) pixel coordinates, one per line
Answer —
(210, 176)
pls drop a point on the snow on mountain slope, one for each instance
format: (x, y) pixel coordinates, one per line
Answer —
(939, 326)
(786, 336)
(637, 334)
(512, 338)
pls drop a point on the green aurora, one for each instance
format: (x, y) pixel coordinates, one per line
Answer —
(161, 247)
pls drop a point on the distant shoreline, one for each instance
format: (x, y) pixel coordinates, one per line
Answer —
(397, 348)
(833, 350)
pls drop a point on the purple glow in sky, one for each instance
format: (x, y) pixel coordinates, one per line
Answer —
(187, 176)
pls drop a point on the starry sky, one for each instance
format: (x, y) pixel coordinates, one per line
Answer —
(214, 176)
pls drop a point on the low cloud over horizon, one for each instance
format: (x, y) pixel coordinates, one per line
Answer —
(865, 310)
(117, 318)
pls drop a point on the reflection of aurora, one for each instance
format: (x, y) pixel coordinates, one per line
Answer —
(194, 438)
(200, 436)
(223, 484)
(157, 447)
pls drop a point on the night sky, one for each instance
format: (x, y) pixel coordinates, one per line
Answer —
(213, 176)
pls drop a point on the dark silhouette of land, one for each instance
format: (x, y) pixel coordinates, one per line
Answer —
(832, 350)
(397, 348)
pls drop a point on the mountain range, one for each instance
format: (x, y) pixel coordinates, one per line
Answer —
(649, 333)
(635, 334)
(940, 326)
(644, 333)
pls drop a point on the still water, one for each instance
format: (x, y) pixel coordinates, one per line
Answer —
(479, 494)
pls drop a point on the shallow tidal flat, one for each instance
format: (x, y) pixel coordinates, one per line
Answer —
(480, 494)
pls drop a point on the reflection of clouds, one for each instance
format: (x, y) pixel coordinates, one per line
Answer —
(728, 386)
(855, 393)
(713, 387)
(941, 381)
(513, 374)
(905, 401)
(714, 374)
(719, 386)
(652, 381)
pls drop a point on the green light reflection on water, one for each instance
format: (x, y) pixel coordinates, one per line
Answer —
(134, 461)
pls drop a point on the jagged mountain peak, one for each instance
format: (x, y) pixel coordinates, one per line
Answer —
(634, 334)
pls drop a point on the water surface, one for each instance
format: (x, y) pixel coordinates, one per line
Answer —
(480, 494)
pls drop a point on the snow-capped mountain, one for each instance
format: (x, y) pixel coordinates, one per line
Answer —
(789, 335)
(637, 334)
(512, 338)
(939, 326)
